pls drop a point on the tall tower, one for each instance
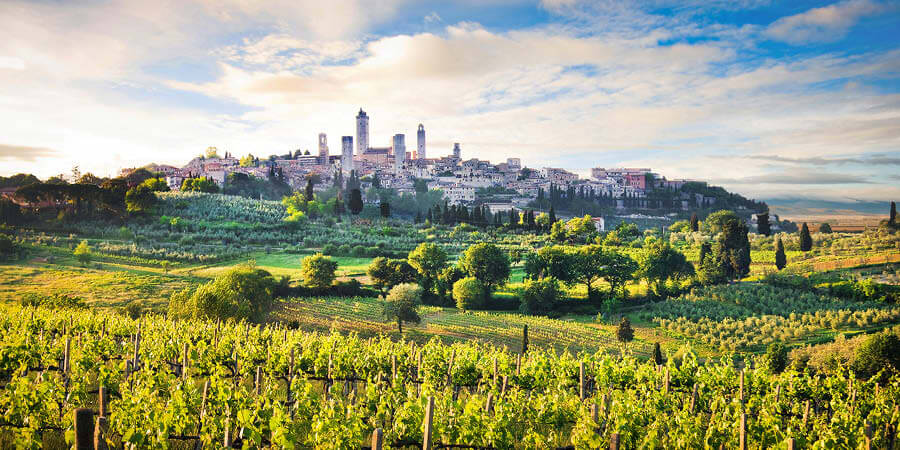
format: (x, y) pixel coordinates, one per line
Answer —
(420, 149)
(362, 132)
(346, 154)
(399, 152)
(457, 153)
(323, 148)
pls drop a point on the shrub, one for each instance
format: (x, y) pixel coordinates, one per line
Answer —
(776, 358)
(539, 296)
(54, 301)
(317, 271)
(240, 293)
(881, 351)
(469, 294)
(329, 249)
(358, 251)
(83, 253)
(134, 310)
(7, 246)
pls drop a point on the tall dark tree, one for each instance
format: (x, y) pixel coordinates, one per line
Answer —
(657, 355)
(309, 190)
(825, 228)
(356, 203)
(552, 215)
(780, 258)
(385, 209)
(695, 222)
(624, 333)
(430, 216)
(763, 226)
(705, 250)
(418, 218)
(892, 220)
(805, 239)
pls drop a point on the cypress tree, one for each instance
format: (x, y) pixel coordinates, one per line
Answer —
(385, 209)
(763, 225)
(893, 217)
(657, 355)
(309, 190)
(552, 215)
(805, 239)
(780, 259)
(430, 216)
(356, 203)
(695, 222)
(418, 218)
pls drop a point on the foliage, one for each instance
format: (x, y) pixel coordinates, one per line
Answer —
(356, 203)
(657, 355)
(429, 260)
(713, 222)
(241, 293)
(660, 263)
(317, 271)
(386, 273)
(539, 296)
(825, 228)
(624, 332)
(469, 293)
(806, 242)
(776, 357)
(83, 253)
(200, 184)
(780, 259)
(140, 199)
(155, 184)
(53, 301)
(401, 303)
(487, 263)
(879, 352)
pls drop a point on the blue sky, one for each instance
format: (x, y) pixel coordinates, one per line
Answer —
(771, 99)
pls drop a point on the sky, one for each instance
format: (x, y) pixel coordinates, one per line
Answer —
(769, 99)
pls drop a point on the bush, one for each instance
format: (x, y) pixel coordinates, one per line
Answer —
(881, 351)
(401, 304)
(83, 253)
(539, 296)
(7, 247)
(242, 293)
(469, 294)
(55, 301)
(329, 249)
(317, 271)
(776, 358)
(358, 251)
(134, 310)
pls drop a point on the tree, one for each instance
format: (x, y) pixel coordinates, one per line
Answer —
(155, 184)
(552, 215)
(762, 224)
(10, 212)
(356, 203)
(892, 219)
(386, 273)
(776, 358)
(620, 269)
(401, 304)
(429, 260)
(878, 352)
(139, 199)
(486, 262)
(780, 259)
(712, 268)
(385, 209)
(469, 293)
(539, 296)
(310, 196)
(657, 355)
(624, 332)
(695, 223)
(825, 228)
(660, 263)
(83, 253)
(805, 239)
(733, 247)
(317, 271)
(243, 292)
(713, 222)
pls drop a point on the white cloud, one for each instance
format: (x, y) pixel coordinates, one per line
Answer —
(825, 24)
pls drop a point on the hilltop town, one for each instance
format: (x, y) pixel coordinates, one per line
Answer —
(498, 186)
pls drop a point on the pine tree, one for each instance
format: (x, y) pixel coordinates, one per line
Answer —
(780, 259)
(805, 239)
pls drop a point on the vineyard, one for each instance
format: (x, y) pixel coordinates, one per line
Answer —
(158, 383)
(753, 315)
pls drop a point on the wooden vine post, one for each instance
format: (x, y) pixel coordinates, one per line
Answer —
(614, 441)
(581, 380)
(102, 422)
(84, 429)
(524, 339)
(427, 443)
(377, 439)
(743, 432)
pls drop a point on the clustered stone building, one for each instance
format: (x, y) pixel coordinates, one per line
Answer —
(398, 168)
